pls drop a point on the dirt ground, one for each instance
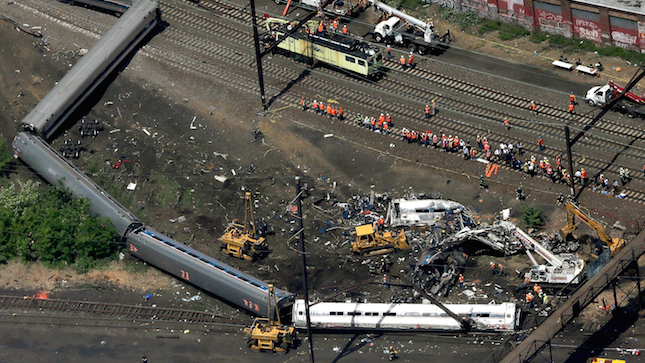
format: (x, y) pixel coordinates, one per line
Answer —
(147, 112)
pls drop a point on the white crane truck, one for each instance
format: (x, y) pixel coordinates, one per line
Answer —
(632, 104)
(417, 36)
(561, 269)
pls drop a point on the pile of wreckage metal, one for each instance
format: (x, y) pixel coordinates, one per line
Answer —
(442, 234)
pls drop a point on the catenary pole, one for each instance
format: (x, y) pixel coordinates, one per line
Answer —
(258, 57)
(304, 269)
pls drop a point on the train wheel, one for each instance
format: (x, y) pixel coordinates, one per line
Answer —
(378, 38)
(591, 103)
(412, 48)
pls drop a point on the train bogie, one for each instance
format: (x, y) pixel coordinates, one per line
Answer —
(204, 271)
(92, 69)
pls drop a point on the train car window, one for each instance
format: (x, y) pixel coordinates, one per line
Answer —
(443, 315)
(389, 314)
(299, 312)
(411, 314)
(371, 314)
(427, 314)
(350, 59)
(361, 63)
(336, 313)
(354, 313)
(192, 254)
(481, 315)
(508, 315)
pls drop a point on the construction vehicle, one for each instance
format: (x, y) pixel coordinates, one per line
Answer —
(560, 269)
(573, 211)
(240, 241)
(632, 104)
(268, 335)
(405, 30)
(371, 243)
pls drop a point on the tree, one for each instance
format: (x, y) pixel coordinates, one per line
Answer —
(48, 224)
(533, 216)
(5, 157)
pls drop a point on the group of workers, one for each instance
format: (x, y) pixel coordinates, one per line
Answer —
(382, 124)
(405, 64)
(537, 292)
(506, 153)
(319, 109)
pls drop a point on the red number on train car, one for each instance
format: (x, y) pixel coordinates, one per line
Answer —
(133, 248)
(185, 275)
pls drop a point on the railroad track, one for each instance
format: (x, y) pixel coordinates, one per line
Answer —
(16, 303)
(404, 115)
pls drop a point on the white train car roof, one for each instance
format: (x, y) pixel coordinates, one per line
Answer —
(401, 309)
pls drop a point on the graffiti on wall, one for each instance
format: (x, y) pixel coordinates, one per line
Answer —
(480, 7)
(624, 32)
(553, 23)
(514, 12)
(587, 29)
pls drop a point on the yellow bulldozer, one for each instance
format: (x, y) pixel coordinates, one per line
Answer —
(371, 243)
(268, 335)
(573, 211)
(240, 241)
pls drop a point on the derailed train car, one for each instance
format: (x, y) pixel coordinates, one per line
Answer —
(92, 69)
(503, 317)
(144, 242)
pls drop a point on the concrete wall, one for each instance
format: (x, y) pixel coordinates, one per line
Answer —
(594, 22)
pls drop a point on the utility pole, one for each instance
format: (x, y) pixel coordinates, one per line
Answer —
(572, 185)
(256, 40)
(304, 268)
(258, 56)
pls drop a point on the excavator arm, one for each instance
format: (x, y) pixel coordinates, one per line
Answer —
(574, 211)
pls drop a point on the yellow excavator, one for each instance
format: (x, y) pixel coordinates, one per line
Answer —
(371, 243)
(574, 211)
(267, 335)
(240, 241)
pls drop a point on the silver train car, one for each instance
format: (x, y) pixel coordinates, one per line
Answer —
(206, 272)
(144, 242)
(52, 166)
(503, 317)
(106, 5)
(92, 69)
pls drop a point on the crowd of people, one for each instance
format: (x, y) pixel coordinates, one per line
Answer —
(510, 154)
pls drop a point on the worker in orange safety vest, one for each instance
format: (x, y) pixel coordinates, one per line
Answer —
(341, 114)
(321, 107)
(329, 113)
(315, 106)
(402, 61)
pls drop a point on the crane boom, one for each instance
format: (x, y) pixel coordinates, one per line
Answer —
(427, 28)
(532, 244)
